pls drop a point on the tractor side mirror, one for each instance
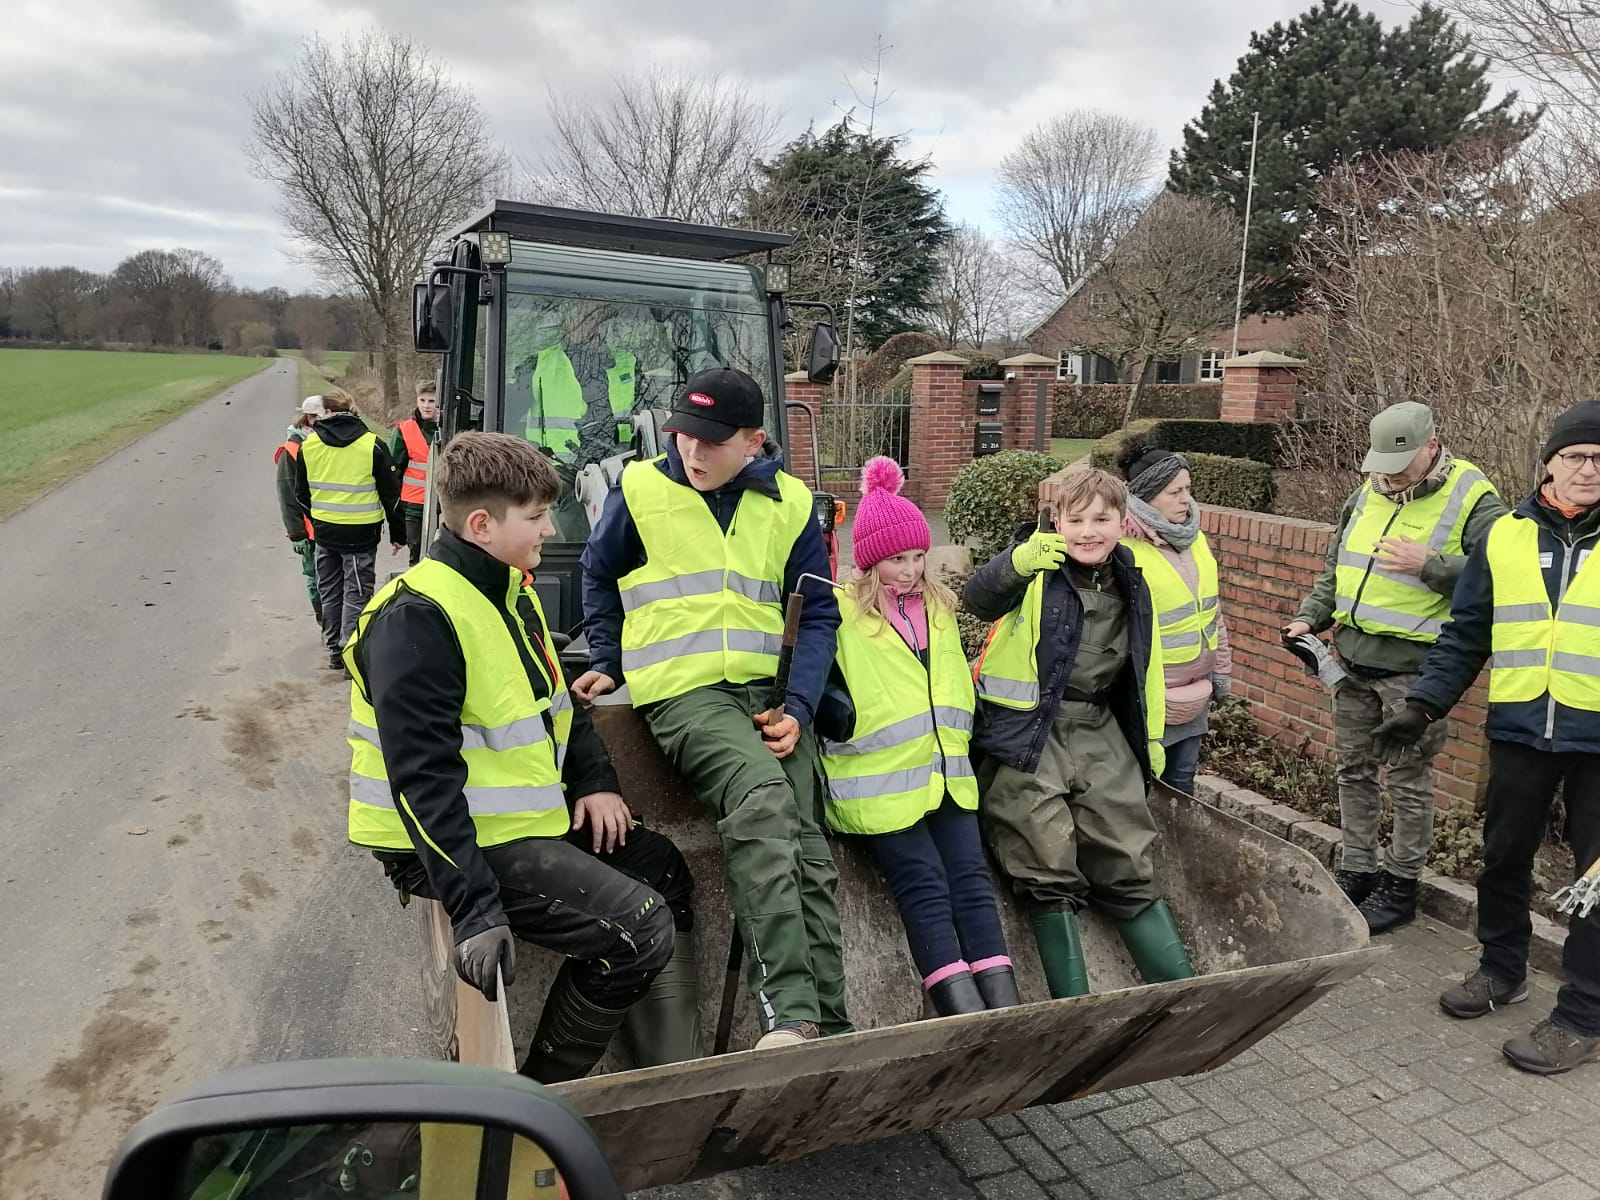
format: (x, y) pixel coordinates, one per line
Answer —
(371, 1129)
(822, 360)
(432, 318)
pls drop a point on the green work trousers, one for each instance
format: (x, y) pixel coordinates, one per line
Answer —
(781, 876)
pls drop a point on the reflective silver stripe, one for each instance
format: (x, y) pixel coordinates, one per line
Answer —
(958, 766)
(1179, 641)
(1366, 562)
(700, 583)
(870, 787)
(710, 641)
(1506, 613)
(1171, 616)
(560, 702)
(502, 801)
(953, 718)
(1389, 616)
(908, 729)
(1465, 482)
(1008, 689)
(1211, 630)
(1209, 603)
(526, 731)
(558, 422)
(364, 733)
(356, 488)
(1502, 660)
(374, 793)
(1578, 664)
(1576, 614)
(326, 506)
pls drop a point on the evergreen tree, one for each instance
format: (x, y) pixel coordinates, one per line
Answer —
(1331, 86)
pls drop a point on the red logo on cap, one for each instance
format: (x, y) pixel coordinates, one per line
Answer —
(700, 398)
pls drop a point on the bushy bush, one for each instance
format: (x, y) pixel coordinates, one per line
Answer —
(991, 496)
(1088, 412)
(1219, 480)
(263, 352)
(981, 365)
(884, 363)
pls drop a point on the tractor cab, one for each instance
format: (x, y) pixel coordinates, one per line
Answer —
(577, 330)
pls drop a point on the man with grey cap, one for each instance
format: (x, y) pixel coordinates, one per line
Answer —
(1399, 547)
(296, 521)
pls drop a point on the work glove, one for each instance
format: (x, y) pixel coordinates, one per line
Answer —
(480, 954)
(1319, 661)
(1041, 552)
(1396, 737)
(299, 544)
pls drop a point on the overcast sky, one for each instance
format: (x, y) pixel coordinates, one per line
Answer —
(124, 120)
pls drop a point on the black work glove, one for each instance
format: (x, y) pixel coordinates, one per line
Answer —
(480, 954)
(1394, 738)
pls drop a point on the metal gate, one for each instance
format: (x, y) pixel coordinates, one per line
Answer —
(851, 433)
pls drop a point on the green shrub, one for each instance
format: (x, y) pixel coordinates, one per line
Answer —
(1088, 412)
(1258, 441)
(263, 352)
(991, 496)
(981, 365)
(1219, 480)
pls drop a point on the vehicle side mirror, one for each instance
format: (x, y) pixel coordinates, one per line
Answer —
(370, 1129)
(432, 318)
(822, 360)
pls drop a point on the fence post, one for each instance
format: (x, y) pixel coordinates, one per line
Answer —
(799, 460)
(1032, 372)
(1263, 386)
(942, 415)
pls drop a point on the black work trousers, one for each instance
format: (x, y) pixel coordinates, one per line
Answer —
(612, 915)
(1522, 785)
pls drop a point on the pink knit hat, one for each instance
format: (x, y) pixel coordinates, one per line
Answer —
(886, 523)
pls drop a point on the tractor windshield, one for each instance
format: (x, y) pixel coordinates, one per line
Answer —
(598, 344)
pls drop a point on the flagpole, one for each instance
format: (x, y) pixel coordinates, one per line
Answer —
(1244, 245)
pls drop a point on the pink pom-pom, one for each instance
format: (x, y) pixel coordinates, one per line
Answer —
(882, 474)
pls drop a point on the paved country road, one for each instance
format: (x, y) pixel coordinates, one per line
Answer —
(176, 894)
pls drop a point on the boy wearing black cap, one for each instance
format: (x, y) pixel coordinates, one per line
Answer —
(683, 584)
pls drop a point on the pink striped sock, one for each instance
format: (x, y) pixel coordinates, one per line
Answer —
(943, 973)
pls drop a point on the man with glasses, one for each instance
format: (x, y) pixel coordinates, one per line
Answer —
(1529, 604)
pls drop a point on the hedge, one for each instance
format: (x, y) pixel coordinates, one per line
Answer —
(1094, 410)
(1219, 480)
(991, 496)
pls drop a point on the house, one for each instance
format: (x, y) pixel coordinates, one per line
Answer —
(1061, 334)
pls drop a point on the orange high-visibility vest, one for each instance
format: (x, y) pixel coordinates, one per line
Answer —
(414, 484)
(293, 447)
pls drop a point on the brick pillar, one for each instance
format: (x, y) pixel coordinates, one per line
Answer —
(1260, 387)
(798, 458)
(1020, 408)
(942, 414)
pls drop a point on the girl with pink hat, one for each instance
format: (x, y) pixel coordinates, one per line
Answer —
(898, 771)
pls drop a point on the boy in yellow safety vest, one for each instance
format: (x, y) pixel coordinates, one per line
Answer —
(683, 584)
(477, 783)
(1071, 707)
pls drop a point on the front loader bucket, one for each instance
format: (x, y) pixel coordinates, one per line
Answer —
(1265, 925)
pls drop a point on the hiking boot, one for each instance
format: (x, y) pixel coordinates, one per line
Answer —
(788, 1033)
(1480, 994)
(956, 994)
(1392, 903)
(1358, 885)
(1551, 1050)
(335, 660)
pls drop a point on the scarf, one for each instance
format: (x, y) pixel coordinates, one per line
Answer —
(1547, 493)
(1145, 522)
(1437, 474)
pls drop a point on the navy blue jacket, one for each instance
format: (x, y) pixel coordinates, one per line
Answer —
(614, 549)
(1016, 737)
(1464, 643)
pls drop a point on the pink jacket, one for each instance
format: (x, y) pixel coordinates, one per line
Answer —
(1189, 685)
(913, 625)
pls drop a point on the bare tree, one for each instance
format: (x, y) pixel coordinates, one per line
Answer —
(1073, 186)
(1169, 280)
(57, 303)
(1553, 43)
(973, 290)
(662, 144)
(306, 317)
(375, 153)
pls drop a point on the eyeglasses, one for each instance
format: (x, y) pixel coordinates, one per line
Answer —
(1574, 460)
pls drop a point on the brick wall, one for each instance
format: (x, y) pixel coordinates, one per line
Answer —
(1267, 566)
(798, 458)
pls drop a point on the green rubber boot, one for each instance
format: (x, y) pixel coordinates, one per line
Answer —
(664, 1027)
(1157, 948)
(1061, 951)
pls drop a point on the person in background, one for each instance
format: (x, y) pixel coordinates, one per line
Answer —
(296, 522)
(1164, 534)
(1393, 562)
(1528, 604)
(409, 451)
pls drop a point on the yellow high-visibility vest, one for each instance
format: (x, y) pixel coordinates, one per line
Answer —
(1535, 651)
(912, 728)
(514, 745)
(1386, 602)
(707, 605)
(343, 490)
(558, 403)
(1187, 621)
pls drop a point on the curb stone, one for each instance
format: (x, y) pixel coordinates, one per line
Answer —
(1453, 902)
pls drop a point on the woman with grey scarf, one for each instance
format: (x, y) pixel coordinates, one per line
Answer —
(1163, 531)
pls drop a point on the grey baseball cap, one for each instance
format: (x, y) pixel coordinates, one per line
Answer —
(1398, 432)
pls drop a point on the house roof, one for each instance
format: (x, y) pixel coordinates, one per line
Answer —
(1072, 291)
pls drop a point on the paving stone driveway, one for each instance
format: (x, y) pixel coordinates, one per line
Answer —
(1371, 1094)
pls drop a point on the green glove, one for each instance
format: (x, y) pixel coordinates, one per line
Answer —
(1041, 552)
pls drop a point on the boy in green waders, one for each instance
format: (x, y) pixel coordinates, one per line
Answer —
(683, 585)
(1071, 707)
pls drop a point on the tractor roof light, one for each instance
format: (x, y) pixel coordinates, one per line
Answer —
(777, 278)
(494, 248)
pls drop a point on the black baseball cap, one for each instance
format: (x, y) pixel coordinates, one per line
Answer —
(715, 404)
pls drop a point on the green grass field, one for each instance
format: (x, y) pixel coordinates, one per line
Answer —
(62, 411)
(1070, 450)
(334, 362)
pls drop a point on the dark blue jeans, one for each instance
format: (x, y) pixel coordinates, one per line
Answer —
(1183, 760)
(942, 887)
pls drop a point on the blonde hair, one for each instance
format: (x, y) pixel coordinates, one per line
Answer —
(336, 400)
(1079, 489)
(491, 471)
(302, 420)
(867, 591)
(427, 387)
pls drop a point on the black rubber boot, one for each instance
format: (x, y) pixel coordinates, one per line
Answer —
(998, 986)
(664, 1027)
(1358, 885)
(1392, 903)
(572, 1035)
(956, 994)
